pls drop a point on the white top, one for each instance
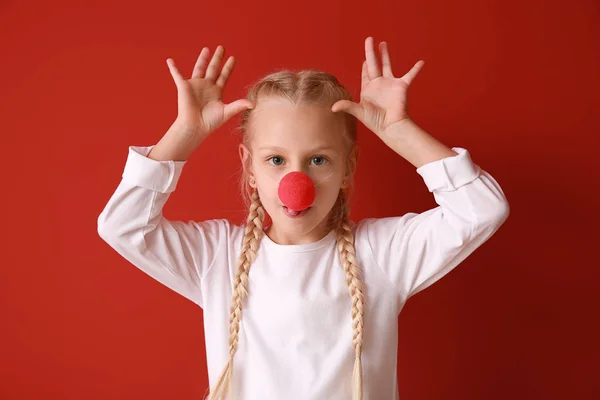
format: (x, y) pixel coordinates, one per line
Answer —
(295, 339)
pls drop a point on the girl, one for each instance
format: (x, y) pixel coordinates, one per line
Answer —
(319, 293)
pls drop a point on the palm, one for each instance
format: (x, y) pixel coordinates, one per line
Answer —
(199, 98)
(383, 97)
(384, 102)
(206, 96)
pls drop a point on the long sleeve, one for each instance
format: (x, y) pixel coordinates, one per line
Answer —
(415, 250)
(175, 253)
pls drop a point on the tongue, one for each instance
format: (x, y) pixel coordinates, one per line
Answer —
(293, 212)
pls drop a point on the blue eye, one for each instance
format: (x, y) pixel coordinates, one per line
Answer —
(324, 160)
(274, 157)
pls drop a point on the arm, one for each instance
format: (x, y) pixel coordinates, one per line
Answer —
(415, 250)
(414, 144)
(175, 253)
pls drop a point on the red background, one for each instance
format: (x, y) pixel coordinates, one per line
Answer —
(516, 83)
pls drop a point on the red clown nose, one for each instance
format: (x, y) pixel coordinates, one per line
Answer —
(296, 191)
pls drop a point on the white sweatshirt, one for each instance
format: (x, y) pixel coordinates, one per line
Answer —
(295, 338)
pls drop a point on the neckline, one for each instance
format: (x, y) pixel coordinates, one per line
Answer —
(297, 248)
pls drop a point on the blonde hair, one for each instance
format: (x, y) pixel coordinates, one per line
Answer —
(302, 87)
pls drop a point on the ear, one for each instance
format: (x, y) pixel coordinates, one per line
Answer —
(354, 158)
(353, 161)
(242, 152)
(245, 159)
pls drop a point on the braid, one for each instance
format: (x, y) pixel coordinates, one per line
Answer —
(252, 237)
(347, 253)
(340, 221)
(306, 87)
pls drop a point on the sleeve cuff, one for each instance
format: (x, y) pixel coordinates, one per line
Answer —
(159, 176)
(449, 173)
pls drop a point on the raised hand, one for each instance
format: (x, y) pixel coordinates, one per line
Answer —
(199, 98)
(383, 97)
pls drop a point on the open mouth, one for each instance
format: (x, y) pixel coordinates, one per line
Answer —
(295, 214)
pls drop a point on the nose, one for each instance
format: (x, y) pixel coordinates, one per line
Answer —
(296, 191)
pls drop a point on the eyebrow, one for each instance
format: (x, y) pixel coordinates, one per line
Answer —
(277, 148)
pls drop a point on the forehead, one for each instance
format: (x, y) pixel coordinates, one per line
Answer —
(278, 123)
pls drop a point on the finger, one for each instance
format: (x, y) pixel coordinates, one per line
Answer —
(215, 63)
(179, 80)
(410, 75)
(364, 76)
(348, 106)
(385, 60)
(372, 64)
(235, 107)
(226, 72)
(198, 71)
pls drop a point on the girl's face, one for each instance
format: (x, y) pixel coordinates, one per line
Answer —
(286, 138)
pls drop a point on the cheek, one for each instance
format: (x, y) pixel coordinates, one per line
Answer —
(267, 189)
(327, 194)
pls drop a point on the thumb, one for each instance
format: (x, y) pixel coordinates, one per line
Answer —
(235, 107)
(348, 106)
